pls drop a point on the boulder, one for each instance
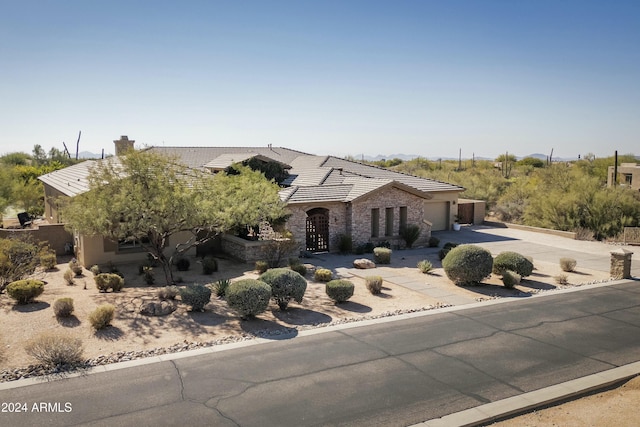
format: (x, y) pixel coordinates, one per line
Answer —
(363, 263)
(157, 308)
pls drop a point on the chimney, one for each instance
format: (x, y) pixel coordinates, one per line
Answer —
(123, 145)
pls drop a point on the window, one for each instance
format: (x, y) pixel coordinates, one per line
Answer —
(132, 245)
(403, 219)
(375, 222)
(388, 226)
(628, 178)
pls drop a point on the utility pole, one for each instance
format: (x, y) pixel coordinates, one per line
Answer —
(615, 169)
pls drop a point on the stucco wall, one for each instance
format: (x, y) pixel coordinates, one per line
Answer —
(92, 250)
(54, 234)
(51, 197)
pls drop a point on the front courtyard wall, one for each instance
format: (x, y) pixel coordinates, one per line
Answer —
(92, 250)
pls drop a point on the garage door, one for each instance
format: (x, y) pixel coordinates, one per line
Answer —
(438, 214)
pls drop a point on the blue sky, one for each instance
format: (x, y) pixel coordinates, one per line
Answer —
(327, 77)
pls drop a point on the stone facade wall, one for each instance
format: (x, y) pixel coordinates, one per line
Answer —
(338, 222)
(243, 250)
(389, 198)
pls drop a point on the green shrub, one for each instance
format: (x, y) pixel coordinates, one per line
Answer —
(467, 264)
(168, 293)
(434, 242)
(510, 279)
(514, 262)
(382, 255)
(374, 284)
(24, 291)
(410, 234)
(18, 259)
(301, 269)
(95, 269)
(568, 264)
(106, 281)
(68, 277)
(196, 296)
(113, 269)
(55, 349)
(286, 285)
(76, 267)
(48, 260)
(248, 297)
(364, 248)
(442, 253)
(339, 290)
(425, 266)
(183, 264)
(261, 266)
(209, 265)
(63, 307)
(102, 316)
(322, 275)
(345, 244)
(221, 286)
(147, 273)
(562, 279)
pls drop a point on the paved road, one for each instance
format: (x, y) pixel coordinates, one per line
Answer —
(392, 373)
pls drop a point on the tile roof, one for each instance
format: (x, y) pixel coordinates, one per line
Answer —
(311, 178)
(71, 180)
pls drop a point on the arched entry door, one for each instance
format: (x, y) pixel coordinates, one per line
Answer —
(318, 230)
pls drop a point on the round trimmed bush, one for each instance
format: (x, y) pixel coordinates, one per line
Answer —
(209, 265)
(102, 316)
(24, 291)
(339, 290)
(196, 296)
(106, 281)
(445, 249)
(63, 307)
(286, 285)
(322, 275)
(48, 260)
(434, 242)
(510, 279)
(76, 267)
(299, 268)
(183, 264)
(568, 264)
(261, 266)
(514, 262)
(382, 255)
(374, 284)
(248, 297)
(467, 264)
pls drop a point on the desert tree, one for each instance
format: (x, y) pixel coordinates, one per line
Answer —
(147, 198)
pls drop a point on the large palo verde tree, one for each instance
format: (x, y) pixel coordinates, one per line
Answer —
(147, 197)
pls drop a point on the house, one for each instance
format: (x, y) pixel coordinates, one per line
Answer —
(629, 175)
(327, 197)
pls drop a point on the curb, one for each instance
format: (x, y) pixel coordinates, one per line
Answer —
(520, 404)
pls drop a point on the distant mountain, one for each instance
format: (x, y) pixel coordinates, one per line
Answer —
(90, 155)
(406, 157)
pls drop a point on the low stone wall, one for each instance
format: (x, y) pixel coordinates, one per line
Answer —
(53, 234)
(567, 234)
(243, 250)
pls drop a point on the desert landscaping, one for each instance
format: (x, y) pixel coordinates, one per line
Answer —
(134, 335)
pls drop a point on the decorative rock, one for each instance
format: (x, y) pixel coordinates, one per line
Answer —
(157, 308)
(363, 263)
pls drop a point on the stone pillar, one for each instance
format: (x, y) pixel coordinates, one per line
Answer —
(621, 264)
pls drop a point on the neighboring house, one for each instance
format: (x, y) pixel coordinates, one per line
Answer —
(327, 197)
(628, 173)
